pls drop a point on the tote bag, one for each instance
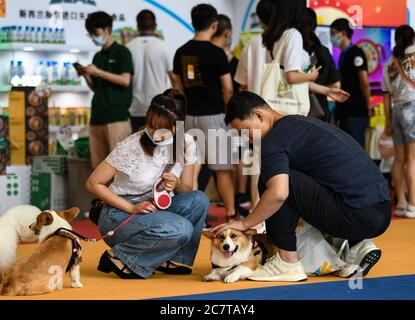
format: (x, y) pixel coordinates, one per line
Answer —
(317, 255)
(285, 98)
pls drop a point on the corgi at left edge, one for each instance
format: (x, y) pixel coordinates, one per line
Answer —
(58, 252)
(234, 255)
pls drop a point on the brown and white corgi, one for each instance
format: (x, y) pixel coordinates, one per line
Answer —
(235, 255)
(59, 251)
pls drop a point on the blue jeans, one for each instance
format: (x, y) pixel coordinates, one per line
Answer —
(356, 127)
(150, 239)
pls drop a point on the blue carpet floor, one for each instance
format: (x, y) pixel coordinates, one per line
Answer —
(385, 288)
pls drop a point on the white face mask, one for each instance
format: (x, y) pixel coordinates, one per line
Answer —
(159, 143)
(98, 40)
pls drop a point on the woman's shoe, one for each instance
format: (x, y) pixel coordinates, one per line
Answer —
(178, 270)
(106, 265)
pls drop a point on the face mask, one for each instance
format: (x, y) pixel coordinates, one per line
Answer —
(99, 40)
(335, 41)
(159, 143)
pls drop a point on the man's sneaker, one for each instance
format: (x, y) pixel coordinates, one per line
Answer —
(278, 270)
(360, 259)
(242, 200)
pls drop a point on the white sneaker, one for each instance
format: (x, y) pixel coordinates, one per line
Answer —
(400, 212)
(278, 270)
(410, 213)
(360, 259)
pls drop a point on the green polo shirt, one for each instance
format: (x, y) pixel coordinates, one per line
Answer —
(111, 102)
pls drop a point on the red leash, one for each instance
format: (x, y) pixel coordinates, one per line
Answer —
(122, 224)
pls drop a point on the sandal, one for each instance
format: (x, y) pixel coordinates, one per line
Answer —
(178, 270)
(107, 265)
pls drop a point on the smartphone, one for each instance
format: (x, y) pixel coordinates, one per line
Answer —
(77, 65)
(313, 63)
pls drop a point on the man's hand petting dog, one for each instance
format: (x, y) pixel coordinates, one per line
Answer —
(236, 225)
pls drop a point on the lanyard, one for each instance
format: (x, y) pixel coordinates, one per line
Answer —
(344, 55)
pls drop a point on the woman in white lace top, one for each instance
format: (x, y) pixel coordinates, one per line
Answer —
(154, 239)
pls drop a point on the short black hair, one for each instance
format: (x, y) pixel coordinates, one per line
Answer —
(98, 20)
(241, 105)
(343, 25)
(224, 24)
(146, 20)
(203, 15)
(264, 10)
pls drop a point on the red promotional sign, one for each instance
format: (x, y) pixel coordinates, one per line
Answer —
(362, 13)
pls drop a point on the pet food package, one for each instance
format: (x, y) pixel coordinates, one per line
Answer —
(49, 190)
(4, 141)
(29, 130)
(10, 192)
(50, 182)
(24, 175)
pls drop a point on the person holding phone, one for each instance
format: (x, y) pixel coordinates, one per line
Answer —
(109, 76)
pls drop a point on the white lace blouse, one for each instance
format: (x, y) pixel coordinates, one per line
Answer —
(138, 171)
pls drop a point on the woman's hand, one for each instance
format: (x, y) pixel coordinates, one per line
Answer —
(388, 128)
(314, 73)
(142, 207)
(338, 95)
(236, 225)
(171, 182)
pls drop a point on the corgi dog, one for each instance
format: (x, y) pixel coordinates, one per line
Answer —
(58, 252)
(14, 228)
(234, 255)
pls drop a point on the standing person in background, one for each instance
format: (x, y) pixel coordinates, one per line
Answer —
(353, 115)
(328, 75)
(109, 76)
(223, 39)
(153, 67)
(287, 18)
(249, 73)
(399, 88)
(202, 72)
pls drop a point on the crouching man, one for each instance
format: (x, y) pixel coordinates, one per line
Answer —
(311, 170)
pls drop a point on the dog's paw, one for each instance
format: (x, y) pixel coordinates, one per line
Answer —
(233, 277)
(77, 284)
(211, 277)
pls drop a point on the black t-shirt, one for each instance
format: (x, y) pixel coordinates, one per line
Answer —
(233, 64)
(328, 74)
(352, 61)
(200, 64)
(325, 153)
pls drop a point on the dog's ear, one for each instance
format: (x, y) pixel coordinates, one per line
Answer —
(250, 233)
(44, 218)
(69, 214)
(207, 233)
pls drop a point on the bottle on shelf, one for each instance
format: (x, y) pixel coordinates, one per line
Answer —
(13, 34)
(32, 34)
(41, 71)
(27, 34)
(49, 72)
(12, 71)
(55, 72)
(20, 69)
(39, 35)
(45, 35)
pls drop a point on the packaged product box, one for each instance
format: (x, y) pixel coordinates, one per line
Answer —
(4, 141)
(50, 164)
(49, 190)
(29, 130)
(10, 192)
